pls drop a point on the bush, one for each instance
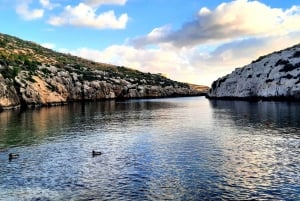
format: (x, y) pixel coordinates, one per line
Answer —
(259, 59)
(88, 75)
(3, 43)
(288, 67)
(46, 71)
(11, 73)
(296, 54)
(282, 62)
(30, 65)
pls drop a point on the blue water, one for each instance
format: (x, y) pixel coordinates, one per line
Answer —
(155, 149)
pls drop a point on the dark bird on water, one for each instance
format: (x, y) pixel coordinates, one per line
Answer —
(12, 156)
(96, 153)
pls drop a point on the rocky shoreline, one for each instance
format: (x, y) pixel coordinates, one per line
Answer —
(34, 76)
(256, 98)
(51, 86)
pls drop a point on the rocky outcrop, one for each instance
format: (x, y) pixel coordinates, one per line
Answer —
(274, 76)
(8, 94)
(31, 75)
(50, 85)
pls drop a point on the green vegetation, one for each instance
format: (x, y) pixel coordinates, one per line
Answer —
(282, 62)
(259, 59)
(296, 54)
(46, 71)
(17, 55)
(10, 73)
(25, 53)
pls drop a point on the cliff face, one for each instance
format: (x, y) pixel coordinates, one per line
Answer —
(31, 76)
(8, 94)
(274, 76)
(58, 86)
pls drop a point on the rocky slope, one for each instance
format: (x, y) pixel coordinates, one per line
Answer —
(274, 76)
(31, 76)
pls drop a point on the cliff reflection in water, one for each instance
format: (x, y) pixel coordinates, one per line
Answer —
(31, 126)
(260, 142)
(260, 115)
(155, 149)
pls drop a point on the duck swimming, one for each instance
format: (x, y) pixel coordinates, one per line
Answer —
(96, 153)
(12, 156)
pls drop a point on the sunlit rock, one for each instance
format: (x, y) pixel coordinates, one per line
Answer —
(274, 76)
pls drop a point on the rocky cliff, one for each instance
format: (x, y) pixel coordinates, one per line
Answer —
(274, 76)
(31, 76)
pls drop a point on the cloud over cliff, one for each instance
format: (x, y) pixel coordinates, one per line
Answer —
(228, 21)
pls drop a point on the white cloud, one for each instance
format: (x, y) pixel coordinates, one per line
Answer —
(26, 13)
(97, 3)
(84, 15)
(217, 42)
(146, 60)
(228, 56)
(194, 65)
(48, 45)
(48, 5)
(229, 21)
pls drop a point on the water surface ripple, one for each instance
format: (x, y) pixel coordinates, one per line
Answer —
(159, 149)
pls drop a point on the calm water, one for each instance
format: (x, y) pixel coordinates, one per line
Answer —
(161, 149)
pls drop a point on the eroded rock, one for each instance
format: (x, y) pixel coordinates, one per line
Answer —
(275, 76)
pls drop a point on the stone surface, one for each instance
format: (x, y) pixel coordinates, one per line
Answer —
(274, 76)
(33, 76)
(8, 94)
(60, 86)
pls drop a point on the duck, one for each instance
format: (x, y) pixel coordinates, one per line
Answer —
(96, 153)
(13, 156)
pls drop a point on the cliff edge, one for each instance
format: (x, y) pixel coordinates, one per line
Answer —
(31, 76)
(275, 77)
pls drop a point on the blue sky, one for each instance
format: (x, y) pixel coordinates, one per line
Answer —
(193, 41)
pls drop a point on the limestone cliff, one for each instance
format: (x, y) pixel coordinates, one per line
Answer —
(274, 76)
(8, 95)
(31, 76)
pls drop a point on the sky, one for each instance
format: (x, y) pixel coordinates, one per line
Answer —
(194, 41)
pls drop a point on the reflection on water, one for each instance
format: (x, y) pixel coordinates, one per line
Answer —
(259, 114)
(261, 141)
(161, 149)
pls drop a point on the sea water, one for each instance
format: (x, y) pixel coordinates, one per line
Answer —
(152, 149)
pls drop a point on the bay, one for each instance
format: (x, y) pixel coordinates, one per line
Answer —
(152, 149)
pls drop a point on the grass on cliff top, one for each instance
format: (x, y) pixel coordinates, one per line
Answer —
(27, 55)
(15, 51)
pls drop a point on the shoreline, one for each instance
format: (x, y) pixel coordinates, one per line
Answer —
(23, 107)
(256, 98)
